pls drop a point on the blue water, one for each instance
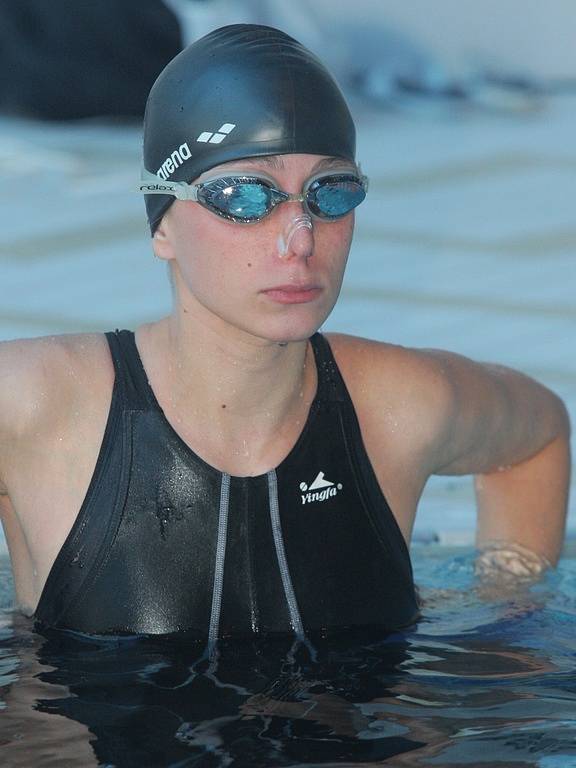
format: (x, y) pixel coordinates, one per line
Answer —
(487, 678)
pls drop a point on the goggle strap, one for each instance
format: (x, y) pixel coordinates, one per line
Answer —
(151, 184)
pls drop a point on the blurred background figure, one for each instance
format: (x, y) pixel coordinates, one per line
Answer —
(394, 54)
(67, 60)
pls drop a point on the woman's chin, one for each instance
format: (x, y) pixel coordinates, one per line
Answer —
(296, 330)
(297, 323)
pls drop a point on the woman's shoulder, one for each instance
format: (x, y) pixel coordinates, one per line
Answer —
(369, 360)
(46, 358)
(391, 385)
(40, 377)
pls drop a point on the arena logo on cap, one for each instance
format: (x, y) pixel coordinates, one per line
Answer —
(174, 160)
(219, 136)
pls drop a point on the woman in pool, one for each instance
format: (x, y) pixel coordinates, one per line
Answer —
(227, 470)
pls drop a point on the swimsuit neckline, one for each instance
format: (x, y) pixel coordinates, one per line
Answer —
(189, 451)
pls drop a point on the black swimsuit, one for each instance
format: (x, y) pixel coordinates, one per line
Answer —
(166, 543)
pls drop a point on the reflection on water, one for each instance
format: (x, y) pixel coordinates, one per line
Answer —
(478, 683)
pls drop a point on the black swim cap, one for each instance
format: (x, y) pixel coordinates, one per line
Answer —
(241, 91)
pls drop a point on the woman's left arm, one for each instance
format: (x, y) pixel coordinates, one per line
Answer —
(513, 434)
(526, 504)
(430, 412)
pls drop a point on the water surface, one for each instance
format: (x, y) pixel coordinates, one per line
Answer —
(485, 679)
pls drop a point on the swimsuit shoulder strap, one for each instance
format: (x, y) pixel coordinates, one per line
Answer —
(130, 374)
(331, 385)
(137, 393)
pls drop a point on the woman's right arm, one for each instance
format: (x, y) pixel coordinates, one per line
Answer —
(23, 385)
(8, 406)
(4, 416)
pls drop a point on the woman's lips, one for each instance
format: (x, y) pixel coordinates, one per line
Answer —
(293, 294)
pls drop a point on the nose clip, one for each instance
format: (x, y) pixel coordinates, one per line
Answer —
(302, 222)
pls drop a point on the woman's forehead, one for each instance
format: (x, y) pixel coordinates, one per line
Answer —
(309, 163)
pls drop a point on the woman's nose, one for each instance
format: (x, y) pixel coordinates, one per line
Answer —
(297, 238)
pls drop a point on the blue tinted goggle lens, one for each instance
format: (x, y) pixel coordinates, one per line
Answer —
(246, 199)
(332, 198)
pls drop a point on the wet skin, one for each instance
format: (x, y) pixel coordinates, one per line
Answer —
(232, 369)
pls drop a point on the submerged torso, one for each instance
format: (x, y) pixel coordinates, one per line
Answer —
(166, 543)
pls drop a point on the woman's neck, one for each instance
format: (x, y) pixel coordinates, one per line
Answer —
(240, 402)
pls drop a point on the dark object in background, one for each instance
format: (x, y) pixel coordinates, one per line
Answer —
(69, 59)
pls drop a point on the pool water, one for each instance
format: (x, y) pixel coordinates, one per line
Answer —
(487, 678)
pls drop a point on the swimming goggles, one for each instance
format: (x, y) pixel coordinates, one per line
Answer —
(246, 198)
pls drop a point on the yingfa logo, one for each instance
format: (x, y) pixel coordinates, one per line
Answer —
(319, 489)
(173, 161)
